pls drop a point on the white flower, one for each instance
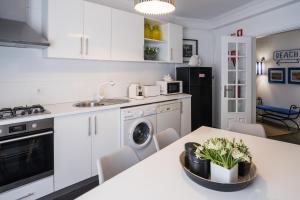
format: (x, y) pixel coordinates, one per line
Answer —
(236, 154)
(246, 158)
(210, 145)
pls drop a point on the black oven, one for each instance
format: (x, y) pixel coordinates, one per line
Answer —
(26, 153)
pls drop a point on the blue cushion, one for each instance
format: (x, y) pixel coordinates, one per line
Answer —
(276, 109)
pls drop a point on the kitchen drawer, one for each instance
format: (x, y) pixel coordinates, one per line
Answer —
(30, 191)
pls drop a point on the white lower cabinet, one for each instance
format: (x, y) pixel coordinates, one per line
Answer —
(186, 116)
(30, 191)
(72, 149)
(106, 137)
(79, 141)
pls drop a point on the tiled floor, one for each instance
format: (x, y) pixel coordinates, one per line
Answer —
(278, 132)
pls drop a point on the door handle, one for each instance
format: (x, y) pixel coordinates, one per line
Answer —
(81, 45)
(171, 54)
(225, 91)
(25, 196)
(96, 125)
(90, 129)
(86, 46)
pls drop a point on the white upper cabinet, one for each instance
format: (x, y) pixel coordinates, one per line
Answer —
(97, 31)
(78, 29)
(175, 43)
(63, 26)
(167, 38)
(127, 36)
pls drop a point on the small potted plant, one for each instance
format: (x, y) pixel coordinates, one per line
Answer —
(245, 162)
(198, 164)
(150, 53)
(224, 157)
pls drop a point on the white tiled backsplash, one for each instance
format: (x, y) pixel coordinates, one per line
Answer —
(26, 77)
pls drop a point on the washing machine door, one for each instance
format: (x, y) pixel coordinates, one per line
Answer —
(141, 134)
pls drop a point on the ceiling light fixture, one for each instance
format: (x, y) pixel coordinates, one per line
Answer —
(155, 7)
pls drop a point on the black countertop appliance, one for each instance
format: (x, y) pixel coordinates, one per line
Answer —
(197, 81)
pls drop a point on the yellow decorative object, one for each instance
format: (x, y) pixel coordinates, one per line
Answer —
(147, 30)
(156, 33)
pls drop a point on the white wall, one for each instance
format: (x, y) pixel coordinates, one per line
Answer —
(278, 20)
(205, 44)
(28, 78)
(206, 51)
(282, 95)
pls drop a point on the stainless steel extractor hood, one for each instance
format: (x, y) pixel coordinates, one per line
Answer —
(19, 34)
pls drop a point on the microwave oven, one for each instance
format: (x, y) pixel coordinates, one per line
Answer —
(170, 87)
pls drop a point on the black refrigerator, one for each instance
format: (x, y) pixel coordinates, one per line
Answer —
(197, 81)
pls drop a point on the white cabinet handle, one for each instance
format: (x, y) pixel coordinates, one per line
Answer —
(181, 107)
(90, 126)
(86, 46)
(171, 54)
(81, 45)
(26, 196)
(96, 124)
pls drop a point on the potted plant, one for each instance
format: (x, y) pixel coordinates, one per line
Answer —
(150, 53)
(198, 164)
(245, 162)
(224, 157)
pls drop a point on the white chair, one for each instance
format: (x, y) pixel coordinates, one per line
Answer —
(113, 164)
(249, 129)
(165, 138)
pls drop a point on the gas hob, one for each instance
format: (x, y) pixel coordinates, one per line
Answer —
(22, 111)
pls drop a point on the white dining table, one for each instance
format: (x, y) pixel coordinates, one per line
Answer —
(161, 176)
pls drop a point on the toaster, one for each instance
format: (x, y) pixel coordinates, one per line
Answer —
(151, 90)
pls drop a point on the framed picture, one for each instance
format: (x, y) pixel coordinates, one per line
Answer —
(276, 75)
(294, 75)
(190, 48)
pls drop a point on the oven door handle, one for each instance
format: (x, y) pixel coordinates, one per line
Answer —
(26, 137)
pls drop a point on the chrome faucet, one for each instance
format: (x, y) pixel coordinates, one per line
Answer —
(100, 96)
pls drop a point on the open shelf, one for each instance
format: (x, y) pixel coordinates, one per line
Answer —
(233, 56)
(161, 44)
(154, 41)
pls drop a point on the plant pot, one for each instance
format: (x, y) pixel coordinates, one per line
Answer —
(244, 168)
(198, 166)
(222, 175)
(150, 57)
(189, 148)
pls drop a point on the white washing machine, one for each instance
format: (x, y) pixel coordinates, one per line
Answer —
(138, 125)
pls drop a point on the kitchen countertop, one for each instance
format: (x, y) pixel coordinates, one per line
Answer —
(62, 109)
(161, 176)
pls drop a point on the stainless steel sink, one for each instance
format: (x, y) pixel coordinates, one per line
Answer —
(103, 102)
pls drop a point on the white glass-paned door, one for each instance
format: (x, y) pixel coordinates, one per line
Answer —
(236, 80)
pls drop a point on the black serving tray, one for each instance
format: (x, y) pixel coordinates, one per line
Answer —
(242, 183)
